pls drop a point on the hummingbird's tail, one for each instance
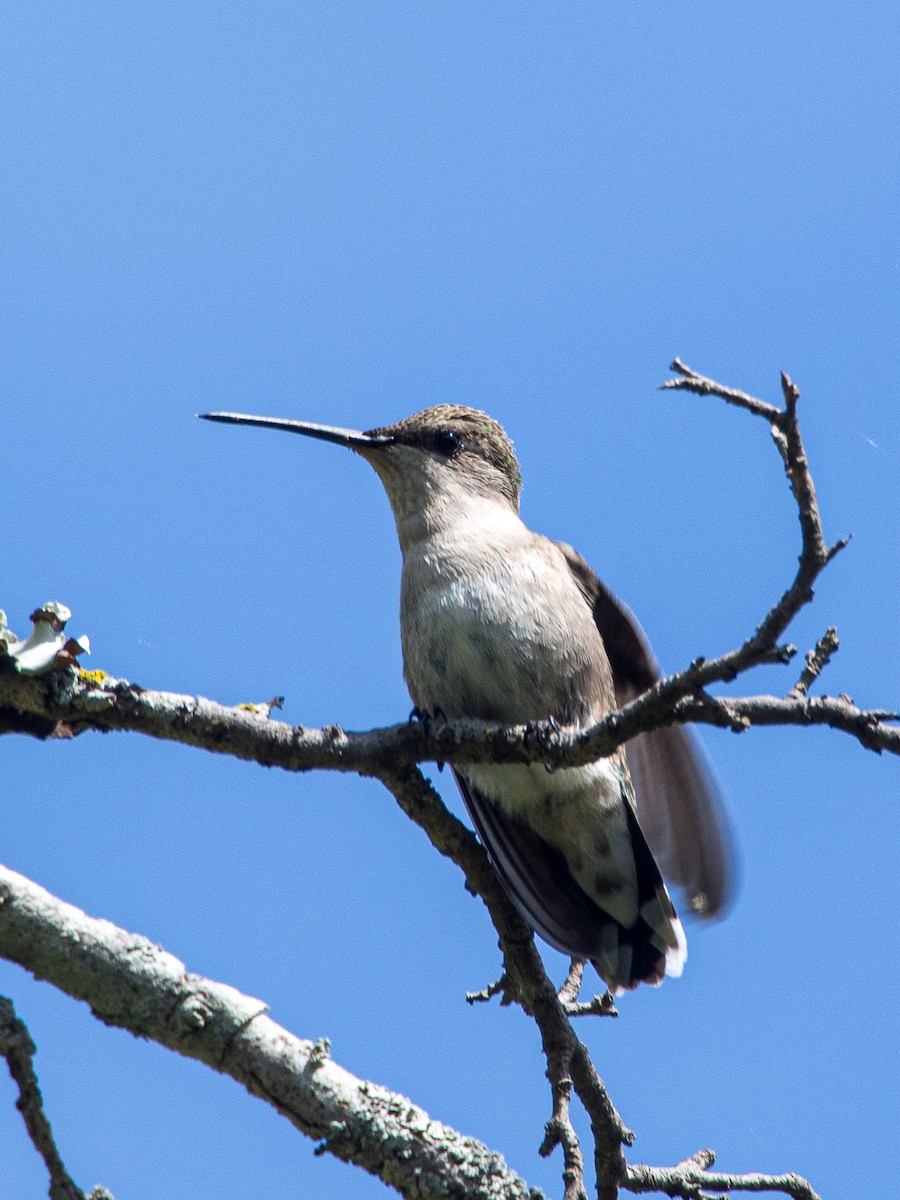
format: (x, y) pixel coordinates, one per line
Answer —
(553, 902)
(655, 945)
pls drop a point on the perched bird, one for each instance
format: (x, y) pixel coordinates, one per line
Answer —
(501, 623)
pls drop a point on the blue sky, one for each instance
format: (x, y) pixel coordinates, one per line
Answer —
(345, 212)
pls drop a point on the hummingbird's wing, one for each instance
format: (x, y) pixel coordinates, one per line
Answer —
(679, 804)
(538, 880)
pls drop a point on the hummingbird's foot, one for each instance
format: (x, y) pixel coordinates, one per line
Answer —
(423, 717)
(551, 768)
(537, 731)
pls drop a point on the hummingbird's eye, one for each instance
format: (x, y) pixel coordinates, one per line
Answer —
(448, 442)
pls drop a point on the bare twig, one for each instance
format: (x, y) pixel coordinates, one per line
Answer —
(597, 1006)
(693, 1180)
(571, 987)
(18, 1049)
(487, 993)
(560, 1131)
(837, 712)
(816, 661)
(691, 381)
(815, 554)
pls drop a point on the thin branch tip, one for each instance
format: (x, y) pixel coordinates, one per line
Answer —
(487, 993)
(790, 391)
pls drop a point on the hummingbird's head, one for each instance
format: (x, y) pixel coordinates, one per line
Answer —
(432, 464)
(446, 450)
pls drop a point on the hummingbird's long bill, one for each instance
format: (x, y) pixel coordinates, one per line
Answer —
(326, 433)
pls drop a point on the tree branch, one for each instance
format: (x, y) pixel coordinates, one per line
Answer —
(131, 983)
(71, 701)
(815, 555)
(561, 1132)
(817, 660)
(18, 1049)
(837, 712)
(526, 982)
(693, 1180)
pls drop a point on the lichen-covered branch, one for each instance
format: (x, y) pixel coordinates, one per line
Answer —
(68, 702)
(132, 983)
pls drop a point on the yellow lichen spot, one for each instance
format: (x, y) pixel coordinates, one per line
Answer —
(95, 677)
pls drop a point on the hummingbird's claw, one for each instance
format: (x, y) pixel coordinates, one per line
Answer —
(424, 717)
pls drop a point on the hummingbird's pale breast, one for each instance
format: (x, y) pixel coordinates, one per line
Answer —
(494, 626)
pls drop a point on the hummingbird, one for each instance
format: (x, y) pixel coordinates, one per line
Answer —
(503, 624)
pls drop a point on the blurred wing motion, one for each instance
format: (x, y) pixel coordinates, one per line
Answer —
(679, 805)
